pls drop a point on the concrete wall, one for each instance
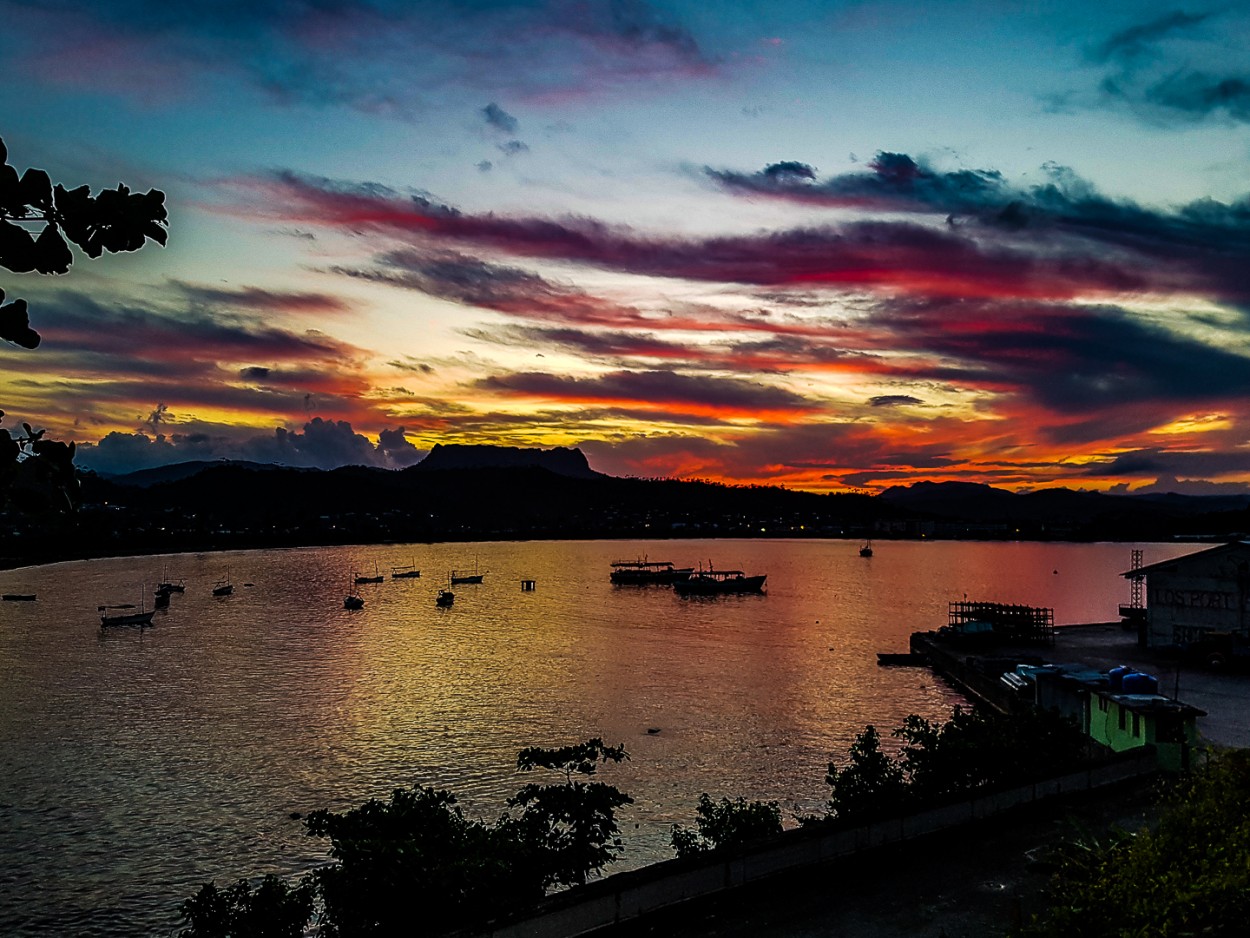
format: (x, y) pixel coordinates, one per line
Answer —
(1207, 591)
(626, 896)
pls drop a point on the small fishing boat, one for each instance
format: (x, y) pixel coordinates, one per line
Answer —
(353, 600)
(140, 618)
(866, 550)
(646, 572)
(365, 578)
(224, 587)
(130, 618)
(405, 573)
(458, 576)
(444, 598)
(711, 582)
(168, 585)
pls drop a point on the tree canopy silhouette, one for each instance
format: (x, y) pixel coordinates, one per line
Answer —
(114, 220)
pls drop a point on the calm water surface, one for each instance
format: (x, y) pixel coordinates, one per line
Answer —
(137, 764)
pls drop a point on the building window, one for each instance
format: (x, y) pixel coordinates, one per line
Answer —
(1122, 720)
(1102, 704)
(1136, 725)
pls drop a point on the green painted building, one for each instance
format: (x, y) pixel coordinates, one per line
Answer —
(1127, 721)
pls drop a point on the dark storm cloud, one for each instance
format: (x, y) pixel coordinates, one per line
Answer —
(1156, 462)
(599, 343)
(1139, 40)
(130, 331)
(104, 357)
(267, 300)
(1200, 94)
(894, 400)
(377, 56)
(397, 448)
(1205, 243)
(731, 395)
(505, 289)
(1151, 68)
(321, 444)
(894, 255)
(1071, 359)
(896, 181)
(500, 119)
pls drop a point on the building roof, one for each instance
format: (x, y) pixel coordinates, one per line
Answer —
(1153, 703)
(1185, 558)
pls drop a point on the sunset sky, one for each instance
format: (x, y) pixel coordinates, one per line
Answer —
(824, 245)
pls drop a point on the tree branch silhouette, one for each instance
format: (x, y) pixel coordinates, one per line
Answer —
(38, 474)
(114, 220)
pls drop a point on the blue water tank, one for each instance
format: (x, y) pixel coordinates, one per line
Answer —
(1138, 683)
(1115, 677)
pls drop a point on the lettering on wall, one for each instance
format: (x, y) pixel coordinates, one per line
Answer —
(1194, 599)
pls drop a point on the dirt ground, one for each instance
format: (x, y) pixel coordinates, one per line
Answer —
(972, 883)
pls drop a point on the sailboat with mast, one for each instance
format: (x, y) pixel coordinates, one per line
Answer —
(224, 587)
(141, 618)
(406, 573)
(365, 578)
(459, 576)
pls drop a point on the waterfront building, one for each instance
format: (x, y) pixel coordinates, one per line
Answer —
(1129, 721)
(1121, 709)
(1199, 599)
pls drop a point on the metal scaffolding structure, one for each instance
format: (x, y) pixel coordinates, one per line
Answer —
(1031, 624)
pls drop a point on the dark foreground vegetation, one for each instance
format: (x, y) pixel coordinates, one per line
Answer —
(416, 865)
(1190, 875)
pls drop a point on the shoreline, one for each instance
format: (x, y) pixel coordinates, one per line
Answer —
(156, 550)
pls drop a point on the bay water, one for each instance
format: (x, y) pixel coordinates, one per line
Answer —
(137, 764)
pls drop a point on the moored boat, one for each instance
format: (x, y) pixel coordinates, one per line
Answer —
(405, 573)
(140, 618)
(224, 587)
(712, 582)
(129, 618)
(866, 550)
(458, 576)
(365, 578)
(646, 572)
(444, 598)
(170, 586)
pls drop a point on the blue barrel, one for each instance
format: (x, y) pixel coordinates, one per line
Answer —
(1138, 683)
(1115, 677)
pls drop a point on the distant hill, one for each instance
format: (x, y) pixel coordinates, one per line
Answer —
(144, 478)
(504, 493)
(1091, 512)
(560, 460)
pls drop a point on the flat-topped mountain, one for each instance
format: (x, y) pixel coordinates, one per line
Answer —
(561, 459)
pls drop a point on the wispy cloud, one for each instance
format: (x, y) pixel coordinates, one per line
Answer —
(725, 397)
(1150, 67)
(371, 55)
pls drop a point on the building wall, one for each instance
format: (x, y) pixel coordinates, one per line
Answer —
(1173, 736)
(1114, 725)
(1197, 594)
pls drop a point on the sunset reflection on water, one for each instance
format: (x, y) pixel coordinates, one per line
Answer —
(136, 765)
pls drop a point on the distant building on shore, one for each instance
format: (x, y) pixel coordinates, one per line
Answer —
(1200, 599)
